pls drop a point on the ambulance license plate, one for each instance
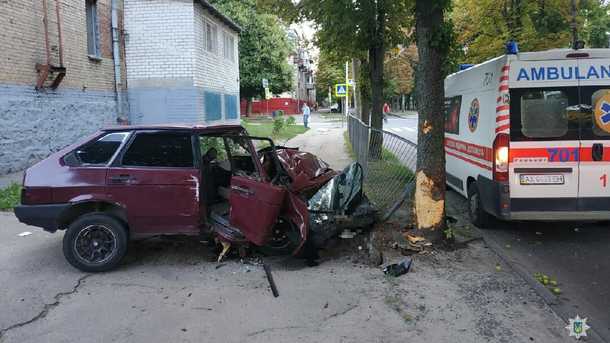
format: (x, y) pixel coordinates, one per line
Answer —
(541, 179)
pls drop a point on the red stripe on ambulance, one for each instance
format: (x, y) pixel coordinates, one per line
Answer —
(474, 150)
(465, 159)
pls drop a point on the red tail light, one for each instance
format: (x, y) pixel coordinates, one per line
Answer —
(501, 155)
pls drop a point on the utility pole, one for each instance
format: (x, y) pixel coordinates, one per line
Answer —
(573, 25)
(346, 89)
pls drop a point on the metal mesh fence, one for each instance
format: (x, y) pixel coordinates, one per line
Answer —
(388, 161)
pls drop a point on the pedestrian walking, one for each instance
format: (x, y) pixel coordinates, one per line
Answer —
(306, 113)
(386, 110)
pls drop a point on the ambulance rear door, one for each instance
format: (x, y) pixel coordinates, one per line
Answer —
(544, 140)
(594, 111)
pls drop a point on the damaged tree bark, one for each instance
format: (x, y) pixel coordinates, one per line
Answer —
(429, 206)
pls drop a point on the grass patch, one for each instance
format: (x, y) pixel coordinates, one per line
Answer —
(264, 128)
(10, 197)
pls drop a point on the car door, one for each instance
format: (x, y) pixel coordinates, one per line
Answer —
(255, 201)
(156, 180)
(594, 106)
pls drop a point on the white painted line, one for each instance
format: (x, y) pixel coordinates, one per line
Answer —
(410, 129)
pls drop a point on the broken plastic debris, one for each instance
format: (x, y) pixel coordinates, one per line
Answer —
(538, 233)
(398, 269)
(576, 229)
(347, 234)
(24, 233)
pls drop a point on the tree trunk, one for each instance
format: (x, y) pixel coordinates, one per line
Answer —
(364, 90)
(248, 106)
(430, 175)
(376, 59)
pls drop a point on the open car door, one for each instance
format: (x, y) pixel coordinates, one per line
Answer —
(255, 201)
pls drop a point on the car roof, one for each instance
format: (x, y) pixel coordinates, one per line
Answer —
(175, 127)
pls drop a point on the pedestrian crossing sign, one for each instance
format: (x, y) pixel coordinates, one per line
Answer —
(340, 90)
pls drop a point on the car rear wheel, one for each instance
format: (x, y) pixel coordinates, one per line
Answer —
(478, 216)
(95, 242)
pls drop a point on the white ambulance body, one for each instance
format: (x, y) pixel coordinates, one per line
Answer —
(528, 136)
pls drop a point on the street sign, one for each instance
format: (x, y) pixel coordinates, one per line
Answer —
(265, 83)
(340, 90)
(267, 93)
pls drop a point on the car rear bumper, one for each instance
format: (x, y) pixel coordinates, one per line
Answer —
(44, 216)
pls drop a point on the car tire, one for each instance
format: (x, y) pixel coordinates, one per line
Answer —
(286, 238)
(95, 242)
(478, 216)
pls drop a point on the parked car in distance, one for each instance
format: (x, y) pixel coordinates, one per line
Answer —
(133, 182)
(334, 108)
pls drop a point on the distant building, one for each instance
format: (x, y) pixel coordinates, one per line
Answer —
(182, 62)
(304, 87)
(59, 79)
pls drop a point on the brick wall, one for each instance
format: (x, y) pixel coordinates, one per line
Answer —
(33, 123)
(172, 78)
(160, 40)
(22, 43)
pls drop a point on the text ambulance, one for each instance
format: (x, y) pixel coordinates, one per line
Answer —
(528, 136)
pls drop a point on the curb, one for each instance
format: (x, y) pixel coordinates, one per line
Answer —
(551, 299)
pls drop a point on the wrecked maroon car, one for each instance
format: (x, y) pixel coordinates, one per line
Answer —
(212, 182)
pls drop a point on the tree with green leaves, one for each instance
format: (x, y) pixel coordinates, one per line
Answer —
(359, 29)
(329, 73)
(534, 24)
(263, 49)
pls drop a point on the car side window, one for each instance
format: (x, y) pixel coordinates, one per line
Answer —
(160, 149)
(100, 152)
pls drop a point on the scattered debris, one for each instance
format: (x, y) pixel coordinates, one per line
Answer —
(24, 233)
(417, 243)
(218, 266)
(576, 229)
(398, 269)
(271, 281)
(225, 249)
(347, 234)
(538, 233)
(498, 268)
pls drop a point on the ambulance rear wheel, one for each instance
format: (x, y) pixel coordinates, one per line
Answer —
(478, 216)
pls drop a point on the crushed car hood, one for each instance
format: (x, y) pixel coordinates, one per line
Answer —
(307, 171)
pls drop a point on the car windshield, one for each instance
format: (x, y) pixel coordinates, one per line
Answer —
(339, 192)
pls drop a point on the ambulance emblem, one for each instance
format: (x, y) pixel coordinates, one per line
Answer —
(473, 115)
(602, 112)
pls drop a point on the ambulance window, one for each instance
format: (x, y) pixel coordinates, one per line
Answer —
(452, 114)
(543, 113)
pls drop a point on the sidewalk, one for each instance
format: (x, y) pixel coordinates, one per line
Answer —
(325, 140)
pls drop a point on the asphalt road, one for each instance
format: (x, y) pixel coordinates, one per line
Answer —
(577, 255)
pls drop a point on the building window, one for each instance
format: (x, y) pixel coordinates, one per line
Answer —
(213, 106)
(231, 110)
(93, 48)
(211, 37)
(229, 46)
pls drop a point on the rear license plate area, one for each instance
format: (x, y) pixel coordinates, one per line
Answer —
(541, 179)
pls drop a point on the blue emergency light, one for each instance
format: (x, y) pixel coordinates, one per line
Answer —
(512, 48)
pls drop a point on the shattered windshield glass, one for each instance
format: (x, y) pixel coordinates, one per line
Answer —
(339, 192)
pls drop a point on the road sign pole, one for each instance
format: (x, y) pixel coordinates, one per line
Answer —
(346, 89)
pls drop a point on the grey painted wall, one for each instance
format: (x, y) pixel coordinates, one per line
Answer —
(179, 105)
(35, 124)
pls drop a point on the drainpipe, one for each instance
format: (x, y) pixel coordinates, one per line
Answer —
(116, 56)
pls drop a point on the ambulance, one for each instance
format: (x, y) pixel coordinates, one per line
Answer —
(527, 136)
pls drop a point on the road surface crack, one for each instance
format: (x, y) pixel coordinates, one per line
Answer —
(47, 307)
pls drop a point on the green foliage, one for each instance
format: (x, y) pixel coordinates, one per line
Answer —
(278, 125)
(10, 197)
(534, 24)
(330, 72)
(291, 121)
(207, 142)
(263, 47)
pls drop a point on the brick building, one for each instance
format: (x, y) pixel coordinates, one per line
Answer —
(179, 58)
(35, 122)
(182, 62)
